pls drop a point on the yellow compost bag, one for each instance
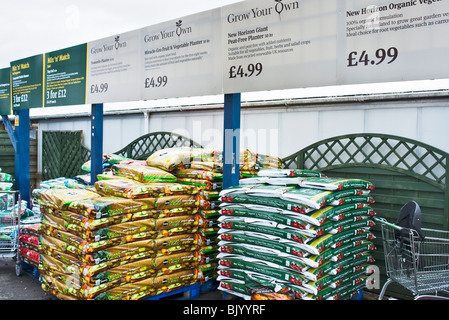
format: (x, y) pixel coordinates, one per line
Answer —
(132, 189)
(61, 198)
(143, 173)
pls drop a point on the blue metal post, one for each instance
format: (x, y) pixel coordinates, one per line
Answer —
(231, 140)
(22, 155)
(10, 131)
(96, 159)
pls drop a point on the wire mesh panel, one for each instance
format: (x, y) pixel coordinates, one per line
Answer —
(421, 266)
(62, 154)
(8, 224)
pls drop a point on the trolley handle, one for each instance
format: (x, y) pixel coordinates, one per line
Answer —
(385, 222)
(403, 231)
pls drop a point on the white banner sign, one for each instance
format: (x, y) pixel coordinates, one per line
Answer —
(113, 69)
(279, 44)
(381, 41)
(259, 45)
(182, 57)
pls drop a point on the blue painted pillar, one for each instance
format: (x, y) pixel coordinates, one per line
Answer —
(231, 140)
(22, 154)
(96, 155)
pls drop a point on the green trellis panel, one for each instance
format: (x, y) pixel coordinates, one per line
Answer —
(401, 170)
(142, 147)
(62, 154)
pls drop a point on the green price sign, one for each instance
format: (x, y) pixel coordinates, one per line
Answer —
(26, 80)
(5, 91)
(65, 77)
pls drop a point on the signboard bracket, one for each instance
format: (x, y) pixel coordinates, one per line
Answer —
(22, 155)
(231, 140)
(96, 163)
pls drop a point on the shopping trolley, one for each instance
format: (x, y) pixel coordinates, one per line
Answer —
(10, 228)
(416, 258)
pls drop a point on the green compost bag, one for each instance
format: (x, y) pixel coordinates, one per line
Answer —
(288, 218)
(269, 202)
(257, 252)
(332, 184)
(265, 227)
(335, 254)
(360, 198)
(259, 266)
(257, 280)
(334, 227)
(343, 291)
(6, 177)
(262, 240)
(313, 198)
(317, 198)
(277, 173)
(358, 209)
(333, 213)
(324, 242)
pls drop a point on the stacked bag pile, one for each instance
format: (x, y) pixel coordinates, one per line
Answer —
(26, 240)
(132, 235)
(295, 234)
(6, 181)
(204, 168)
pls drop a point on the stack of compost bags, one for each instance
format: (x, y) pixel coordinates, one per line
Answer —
(204, 168)
(133, 235)
(6, 181)
(295, 233)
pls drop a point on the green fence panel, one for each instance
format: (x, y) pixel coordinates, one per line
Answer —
(62, 154)
(401, 170)
(142, 147)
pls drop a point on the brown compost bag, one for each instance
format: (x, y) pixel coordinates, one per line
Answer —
(142, 173)
(170, 159)
(61, 198)
(137, 270)
(151, 286)
(199, 174)
(128, 188)
(149, 248)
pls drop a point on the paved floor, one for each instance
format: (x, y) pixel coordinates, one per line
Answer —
(12, 287)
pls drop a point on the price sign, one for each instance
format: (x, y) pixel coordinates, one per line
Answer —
(182, 57)
(278, 44)
(393, 41)
(113, 69)
(5, 91)
(26, 80)
(65, 76)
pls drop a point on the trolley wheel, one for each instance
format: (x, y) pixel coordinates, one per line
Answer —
(18, 267)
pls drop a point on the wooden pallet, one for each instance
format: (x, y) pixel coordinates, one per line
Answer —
(191, 292)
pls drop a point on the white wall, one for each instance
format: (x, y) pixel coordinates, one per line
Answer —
(280, 130)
